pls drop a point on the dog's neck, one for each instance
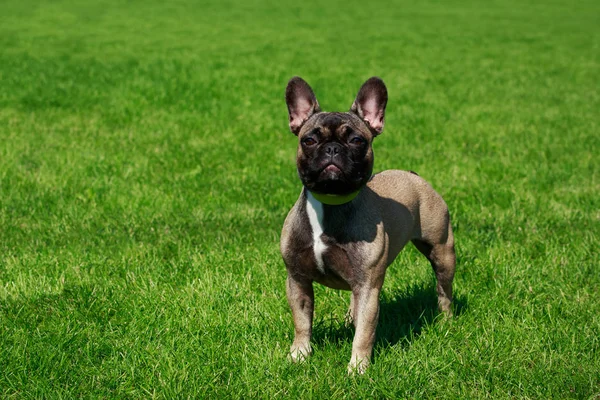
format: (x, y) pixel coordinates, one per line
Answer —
(334, 199)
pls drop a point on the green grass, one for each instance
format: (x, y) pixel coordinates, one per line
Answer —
(146, 169)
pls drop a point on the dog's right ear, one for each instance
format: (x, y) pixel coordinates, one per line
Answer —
(301, 103)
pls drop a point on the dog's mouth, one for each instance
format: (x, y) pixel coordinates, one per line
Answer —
(331, 172)
(332, 168)
(333, 177)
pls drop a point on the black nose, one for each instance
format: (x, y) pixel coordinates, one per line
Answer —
(332, 149)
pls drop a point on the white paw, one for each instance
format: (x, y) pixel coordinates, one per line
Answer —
(299, 353)
(358, 366)
(445, 306)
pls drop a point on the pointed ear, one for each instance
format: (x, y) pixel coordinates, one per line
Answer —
(370, 103)
(301, 103)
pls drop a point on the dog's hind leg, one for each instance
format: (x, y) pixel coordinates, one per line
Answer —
(349, 318)
(443, 260)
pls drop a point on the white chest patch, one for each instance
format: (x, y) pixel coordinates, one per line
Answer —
(314, 209)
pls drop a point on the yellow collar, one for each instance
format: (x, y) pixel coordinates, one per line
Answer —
(334, 199)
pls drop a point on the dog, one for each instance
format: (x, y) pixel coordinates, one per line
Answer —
(348, 225)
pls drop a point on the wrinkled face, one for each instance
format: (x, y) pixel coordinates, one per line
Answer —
(334, 150)
(334, 153)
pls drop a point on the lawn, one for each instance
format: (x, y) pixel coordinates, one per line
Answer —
(146, 168)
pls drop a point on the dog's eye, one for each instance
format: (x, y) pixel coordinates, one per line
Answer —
(357, 140)
(309, 141)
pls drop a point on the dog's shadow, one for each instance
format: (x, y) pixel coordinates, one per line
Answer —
(403, 314)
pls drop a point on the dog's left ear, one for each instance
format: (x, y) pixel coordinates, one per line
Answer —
(370, 103)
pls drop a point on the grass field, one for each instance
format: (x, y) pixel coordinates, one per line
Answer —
(146, 169)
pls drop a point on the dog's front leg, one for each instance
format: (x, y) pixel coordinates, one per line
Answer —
(301, 299)
(365, 302)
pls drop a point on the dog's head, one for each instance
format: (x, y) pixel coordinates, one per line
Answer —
(335, 156)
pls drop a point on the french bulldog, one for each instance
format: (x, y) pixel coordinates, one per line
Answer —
(348, 225)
